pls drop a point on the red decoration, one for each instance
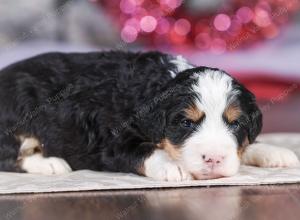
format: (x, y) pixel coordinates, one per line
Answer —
(169, 23)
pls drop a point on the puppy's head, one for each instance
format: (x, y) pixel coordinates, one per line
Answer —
(206, 121)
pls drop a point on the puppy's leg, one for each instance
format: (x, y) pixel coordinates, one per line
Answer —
(266, 155)
(160, 166)
(9, 149)
(147, 160)
(32, 160)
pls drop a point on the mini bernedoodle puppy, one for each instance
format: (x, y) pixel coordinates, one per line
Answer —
(147, 113)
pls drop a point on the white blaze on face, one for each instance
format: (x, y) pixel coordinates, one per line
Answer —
(211, 151)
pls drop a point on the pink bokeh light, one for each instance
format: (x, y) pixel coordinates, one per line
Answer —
(245, 14)
(222, 22)
(163, 26)
(262, 17)
(148, 23)
(133, 22)
(129, 34)
(128, 6)
(182, 26)
(172, 4)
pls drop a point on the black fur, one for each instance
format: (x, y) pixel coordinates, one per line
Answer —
(99, 111)
(250, 122)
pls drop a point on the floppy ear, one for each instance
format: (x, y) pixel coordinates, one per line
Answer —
(254, 125)
(253, 122)
(152, 123)
(158, 125)
(152, 116)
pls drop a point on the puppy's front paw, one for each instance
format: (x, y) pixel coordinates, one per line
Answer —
(58, 165)
(171, 172)
(160, 167)
(264, 155)
(282, 158)
(47, 166)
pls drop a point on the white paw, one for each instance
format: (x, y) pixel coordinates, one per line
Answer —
(282, 158)
(171, 172)
(264, 155)
(47, 166)
(160, 167)
(58, 165)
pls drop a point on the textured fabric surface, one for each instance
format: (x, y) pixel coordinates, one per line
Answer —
(89, 180)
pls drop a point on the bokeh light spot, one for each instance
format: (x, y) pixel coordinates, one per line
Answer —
(148, 23)
(163, 26)
(128, 6)
(222, 22)
(182, 26)
(245, 14)
(129, 34)
(262, 17)
(172, 4)
(133, 22)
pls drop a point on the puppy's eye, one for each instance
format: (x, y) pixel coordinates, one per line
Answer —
(234, 125)
(187, 123)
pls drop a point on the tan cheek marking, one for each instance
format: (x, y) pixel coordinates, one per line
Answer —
(171, 149)
(194, 113)
(232, 113)
(242, 148)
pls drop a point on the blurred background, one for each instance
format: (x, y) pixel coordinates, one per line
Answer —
(257, 41)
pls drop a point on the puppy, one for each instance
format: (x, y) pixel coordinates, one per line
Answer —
(148, 113)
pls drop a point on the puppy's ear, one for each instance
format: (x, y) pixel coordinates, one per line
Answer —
(158, 125)
(152, 123)
(254, 123)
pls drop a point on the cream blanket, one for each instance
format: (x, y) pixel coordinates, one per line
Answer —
(89, 180)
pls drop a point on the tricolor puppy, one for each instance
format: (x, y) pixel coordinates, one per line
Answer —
(148, 113)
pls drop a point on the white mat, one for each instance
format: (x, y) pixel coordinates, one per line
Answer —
(89, 180)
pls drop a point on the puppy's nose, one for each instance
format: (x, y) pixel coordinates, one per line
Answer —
(213, 160)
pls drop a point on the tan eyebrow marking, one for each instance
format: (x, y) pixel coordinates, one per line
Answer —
(232, 113)
(193, 113)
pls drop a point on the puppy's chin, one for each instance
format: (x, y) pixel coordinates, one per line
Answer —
(211, 175)
(218, 172)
